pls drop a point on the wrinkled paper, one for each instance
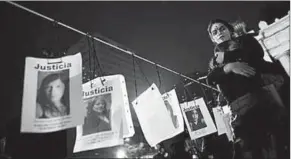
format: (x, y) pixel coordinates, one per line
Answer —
(218, 116)
(153, 116)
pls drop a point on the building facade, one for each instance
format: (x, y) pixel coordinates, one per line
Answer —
(275, 40)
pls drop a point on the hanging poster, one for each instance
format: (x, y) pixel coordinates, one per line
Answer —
(107, 117)
(226, 109)
(229, 129)
(173, 109)
(198, 120)
(153, 116)
(52, 94)
(222, 116)
(218, 117)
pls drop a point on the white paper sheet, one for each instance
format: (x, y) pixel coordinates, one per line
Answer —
(218, 116)
(198, 120)
(52, 94)
(153, 116)
(108, 116)
(229, 129)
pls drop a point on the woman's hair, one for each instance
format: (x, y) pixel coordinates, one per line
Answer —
(92, 102)
(191, 113)
(215, 21)
(42, 98)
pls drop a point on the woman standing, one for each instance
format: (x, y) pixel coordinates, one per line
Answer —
(237, 68)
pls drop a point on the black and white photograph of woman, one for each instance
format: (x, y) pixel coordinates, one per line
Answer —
(195, 119)
(53, 94)
(98, 114)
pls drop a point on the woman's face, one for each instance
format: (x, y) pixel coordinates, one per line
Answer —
(99, 106)
(55, 90)
(220, 33)
(195, 115)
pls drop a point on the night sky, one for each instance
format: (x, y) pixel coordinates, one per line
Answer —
(172, 34)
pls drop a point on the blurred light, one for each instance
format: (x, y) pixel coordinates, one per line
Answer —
(156, 147)
(252, 31)
(226, 109)
(194, 157)
(121, 154)
(127, 139)
(141, 145)
(166, 154)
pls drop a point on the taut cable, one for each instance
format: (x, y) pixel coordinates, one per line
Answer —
(106, 43)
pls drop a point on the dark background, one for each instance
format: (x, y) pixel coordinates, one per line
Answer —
(172, 34)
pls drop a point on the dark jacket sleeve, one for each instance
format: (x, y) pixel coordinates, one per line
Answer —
(273, 68)
(216, 74)
(257, 56)
(256, 51)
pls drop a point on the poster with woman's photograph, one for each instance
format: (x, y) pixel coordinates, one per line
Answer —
(195, 119)
(105, 105)
(52, 94)
(98, 117)
(198, 119)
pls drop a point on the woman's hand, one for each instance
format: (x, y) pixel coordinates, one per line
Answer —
(240, 68)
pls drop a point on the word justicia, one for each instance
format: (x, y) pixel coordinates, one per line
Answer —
(191, 108)
(59, 66)
(98, 91)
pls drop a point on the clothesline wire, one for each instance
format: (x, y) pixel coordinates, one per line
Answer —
(106, 43)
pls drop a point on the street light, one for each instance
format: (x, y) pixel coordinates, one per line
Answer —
(121, 154)
(127, 139)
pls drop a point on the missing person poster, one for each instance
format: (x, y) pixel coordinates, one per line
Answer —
(198, 120)
(228, 127)
(153, 116)
(52, 94)
(218, 117)
(222, 116)
(107, 117)
(173, 109)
